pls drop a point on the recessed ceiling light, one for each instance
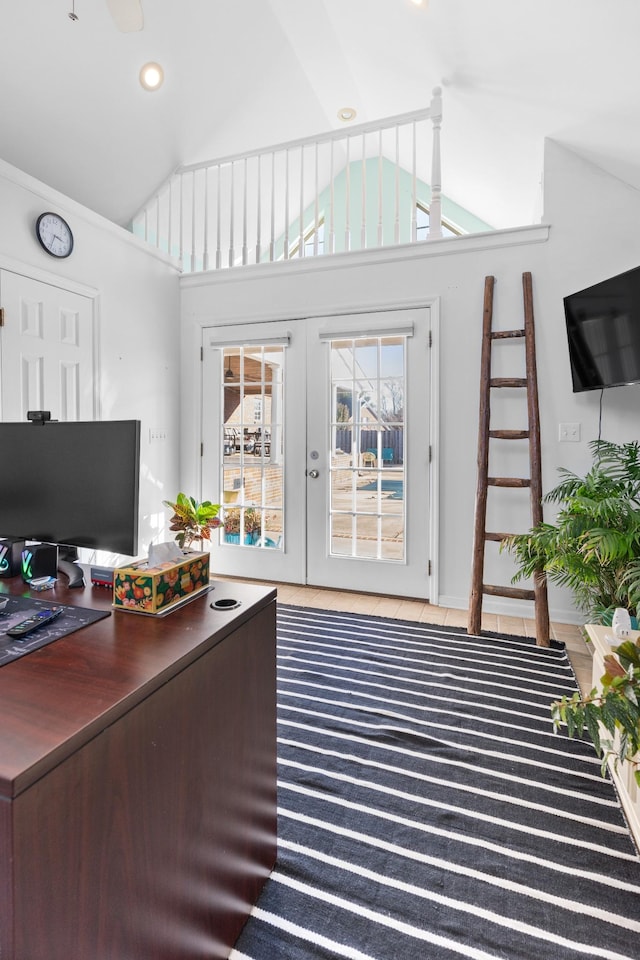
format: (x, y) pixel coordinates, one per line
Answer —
(151, 76)
(346, 114)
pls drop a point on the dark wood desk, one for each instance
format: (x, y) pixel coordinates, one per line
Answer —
(138, 781)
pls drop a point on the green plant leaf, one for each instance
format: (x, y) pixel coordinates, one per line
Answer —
(593, 726)
(192, 520)
(593, 548)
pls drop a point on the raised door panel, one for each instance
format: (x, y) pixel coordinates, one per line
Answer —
(47, 350)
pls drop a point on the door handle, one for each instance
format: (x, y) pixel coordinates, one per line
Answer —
(314, 474)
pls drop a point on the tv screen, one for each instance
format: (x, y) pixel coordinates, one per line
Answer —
(73, 483)
(603, 329)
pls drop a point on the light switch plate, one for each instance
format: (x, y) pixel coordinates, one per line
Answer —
(569, 432)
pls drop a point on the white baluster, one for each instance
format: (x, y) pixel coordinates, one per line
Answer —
(170, 230)
(435, 208)
(232, 215)
(315, 208)
(396, 227)
(259, 211)
(165, 219)
(363, 229)
(414, 194)
(347, 226)
(193, 222)
(286, 205)
(245, 251)
(380, 197)
(180, 223)
(272, 242)
(301, 241)
(205, 229)
(219, 221)
(332, 235)
(167, 225)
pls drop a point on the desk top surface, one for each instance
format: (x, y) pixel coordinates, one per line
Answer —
(61, 695)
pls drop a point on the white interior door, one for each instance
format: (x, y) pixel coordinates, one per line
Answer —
(316, 439)
(47, 350)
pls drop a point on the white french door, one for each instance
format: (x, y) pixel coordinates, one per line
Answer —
(368, 506)
(316, 438)
(253, 450)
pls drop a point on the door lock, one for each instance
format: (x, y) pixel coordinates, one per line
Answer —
(314, 474)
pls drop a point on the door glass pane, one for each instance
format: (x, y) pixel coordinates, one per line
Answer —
(367, 495)
(252, 480)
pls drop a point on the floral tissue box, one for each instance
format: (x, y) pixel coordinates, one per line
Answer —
(144, 589)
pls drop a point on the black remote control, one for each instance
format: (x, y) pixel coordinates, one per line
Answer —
(36, 620)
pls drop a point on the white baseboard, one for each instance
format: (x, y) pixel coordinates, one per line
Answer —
(515, 608)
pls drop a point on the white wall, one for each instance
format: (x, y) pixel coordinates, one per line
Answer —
(138, 322)
(575, 252)
(141, 337)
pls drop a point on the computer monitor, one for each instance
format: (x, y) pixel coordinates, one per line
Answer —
(73, 483)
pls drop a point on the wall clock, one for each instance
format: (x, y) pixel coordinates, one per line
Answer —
(54, 234)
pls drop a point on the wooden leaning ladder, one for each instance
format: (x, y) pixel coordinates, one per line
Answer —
(485, 434)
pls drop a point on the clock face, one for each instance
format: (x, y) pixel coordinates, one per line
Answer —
(54, 234)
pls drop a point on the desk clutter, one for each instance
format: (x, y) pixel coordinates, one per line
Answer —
(14, 610)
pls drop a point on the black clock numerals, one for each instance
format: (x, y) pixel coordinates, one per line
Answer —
(54, 234)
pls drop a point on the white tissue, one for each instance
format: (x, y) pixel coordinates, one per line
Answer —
(168, 552)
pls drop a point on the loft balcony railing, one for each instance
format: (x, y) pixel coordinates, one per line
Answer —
(353, 189)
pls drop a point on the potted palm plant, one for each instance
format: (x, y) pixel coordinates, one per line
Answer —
(593, 548)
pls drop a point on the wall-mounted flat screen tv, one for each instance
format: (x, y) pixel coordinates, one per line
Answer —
(74, 483)
(603, 328)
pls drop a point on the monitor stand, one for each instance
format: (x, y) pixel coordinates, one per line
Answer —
(67, 557)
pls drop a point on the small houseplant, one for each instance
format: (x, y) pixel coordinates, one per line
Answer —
(611, 716)
(192, 520)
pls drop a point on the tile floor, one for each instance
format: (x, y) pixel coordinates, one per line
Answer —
(578, 650)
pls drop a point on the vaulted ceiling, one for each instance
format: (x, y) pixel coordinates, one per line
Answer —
(243, 74)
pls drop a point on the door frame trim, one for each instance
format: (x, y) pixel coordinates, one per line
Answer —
(430, 303)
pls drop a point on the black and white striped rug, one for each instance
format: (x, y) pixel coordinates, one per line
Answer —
(427, 811)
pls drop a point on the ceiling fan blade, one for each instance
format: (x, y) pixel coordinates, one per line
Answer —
(127, 14)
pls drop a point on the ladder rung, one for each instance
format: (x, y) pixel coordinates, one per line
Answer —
(516, 593)
(508, 382)
(508, 482)
(509, 434)
(497, 536)
(502, 334)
